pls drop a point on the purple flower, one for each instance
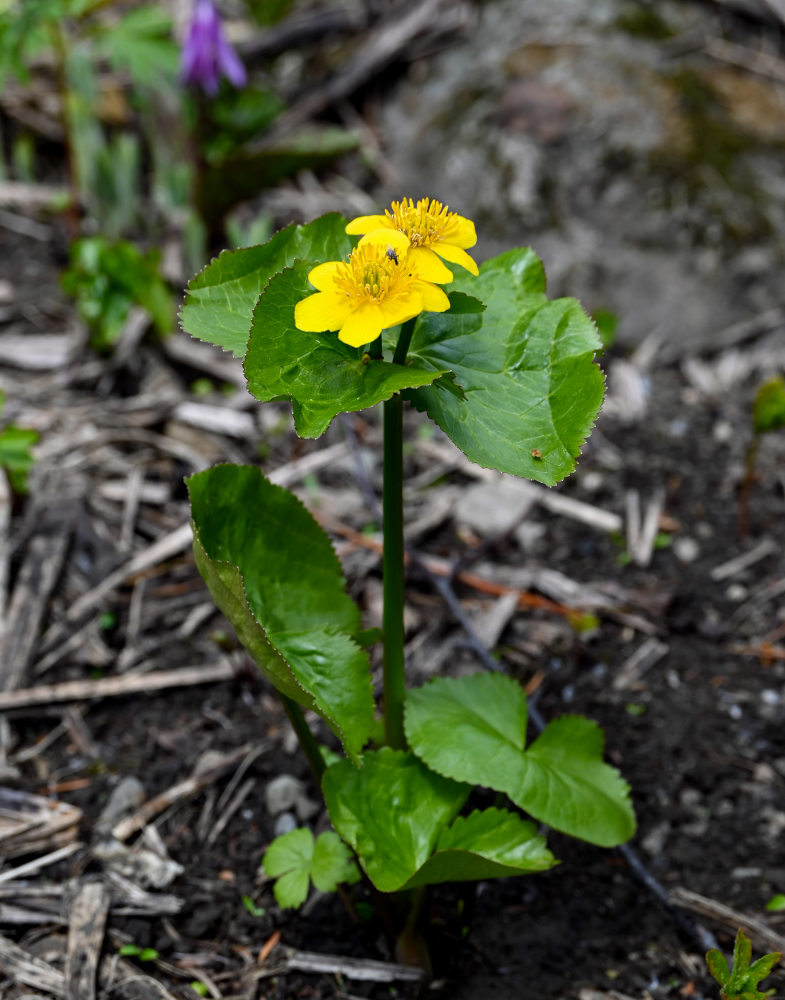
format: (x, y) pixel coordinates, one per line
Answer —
(206, 53)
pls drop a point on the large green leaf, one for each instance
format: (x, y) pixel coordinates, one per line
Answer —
(273, 572)
(525, 364)
(392, 812)
(220, 300)
(473, 729)
(321, 375)
(489, 844)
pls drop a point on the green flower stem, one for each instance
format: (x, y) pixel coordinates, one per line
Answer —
(392, 563)
(305, 737)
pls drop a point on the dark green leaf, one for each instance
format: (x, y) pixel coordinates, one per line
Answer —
(392, 812)
(473, 729)
(531, 390)
(274, 574)
(321, 375)
(220, 300)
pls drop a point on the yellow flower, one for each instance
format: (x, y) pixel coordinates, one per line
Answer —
(431, 229)
(379, 286)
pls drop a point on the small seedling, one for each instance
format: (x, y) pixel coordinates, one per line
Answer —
(768, 414)
(251, 907)
(741, 983)
(15, 455)
(136, 951)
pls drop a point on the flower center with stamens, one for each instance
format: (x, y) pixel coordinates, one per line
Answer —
(370, 273)
(424, 223)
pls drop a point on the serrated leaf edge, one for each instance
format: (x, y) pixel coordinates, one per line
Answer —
(311, 702)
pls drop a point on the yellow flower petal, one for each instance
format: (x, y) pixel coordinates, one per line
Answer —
(427, 265)
(391, 238)
(460, 232)
(362, 326)
(455, 255)
(434, 299)
(367, 223)
(323, 275)
(321, 311)
(405, 305)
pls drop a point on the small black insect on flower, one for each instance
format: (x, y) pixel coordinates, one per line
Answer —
(392, 253)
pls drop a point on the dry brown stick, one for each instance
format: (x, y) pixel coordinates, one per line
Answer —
(112, 687)
(162, 549)
(27, 970)
(86, 927)
(182, 790)
(37, 577)
(368, 970)
(442, 568)
(757, 930)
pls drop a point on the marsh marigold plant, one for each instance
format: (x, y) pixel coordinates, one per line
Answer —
(509, 376)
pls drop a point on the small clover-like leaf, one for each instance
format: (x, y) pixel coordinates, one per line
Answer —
(332, 863)
(294, 859)
(473, 729)
(531, 390)
(273, 572)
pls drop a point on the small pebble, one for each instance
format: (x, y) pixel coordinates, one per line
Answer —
(686, 549)
(592, 481)
(770, 697)
(734, 711)
(722, 432)
(285, 823)
(736, 592)
(282, 793)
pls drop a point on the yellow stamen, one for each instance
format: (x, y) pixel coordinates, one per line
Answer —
(370, 273)
(424, 222)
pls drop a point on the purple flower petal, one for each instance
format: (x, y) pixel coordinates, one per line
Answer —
(206, 54)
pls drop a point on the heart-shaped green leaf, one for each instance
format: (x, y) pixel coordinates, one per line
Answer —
(531, 391)
(322, 376)
(473, 729)
(392, 812)
(489, 844)
(273, 572)
(220, 300)
(295, 857)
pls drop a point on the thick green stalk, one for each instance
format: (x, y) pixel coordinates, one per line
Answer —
(392, 563)
(305, 737)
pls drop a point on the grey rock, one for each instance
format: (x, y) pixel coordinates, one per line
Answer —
(285, 823)
(282, 793)
(492, 508)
